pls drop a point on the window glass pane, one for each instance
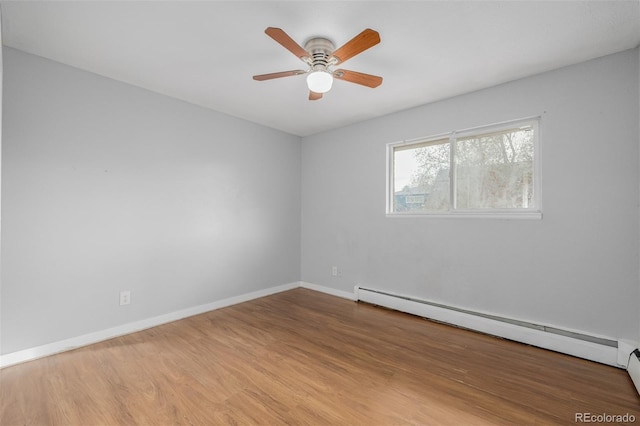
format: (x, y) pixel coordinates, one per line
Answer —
(421, 177)
(495, 171)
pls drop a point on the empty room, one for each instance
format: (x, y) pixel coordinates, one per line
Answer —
(327, 212)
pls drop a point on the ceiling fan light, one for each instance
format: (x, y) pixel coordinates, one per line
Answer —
(319, 81)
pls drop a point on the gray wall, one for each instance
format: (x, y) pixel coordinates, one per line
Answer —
(577, 268)
(107, 187)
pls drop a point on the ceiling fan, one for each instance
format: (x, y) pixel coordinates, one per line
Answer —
(320, 55)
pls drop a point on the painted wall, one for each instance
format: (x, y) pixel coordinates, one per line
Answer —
(577, 268)
(108, 187)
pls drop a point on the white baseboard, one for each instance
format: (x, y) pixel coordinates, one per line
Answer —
(328, 290)
(99, 336)
(556, 342)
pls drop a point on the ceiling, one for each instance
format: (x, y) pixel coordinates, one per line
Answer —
(205, 52)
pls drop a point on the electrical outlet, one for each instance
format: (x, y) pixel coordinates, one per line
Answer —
(334, 271)
(125, 297)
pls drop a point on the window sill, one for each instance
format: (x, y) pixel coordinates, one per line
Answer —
(527, 215)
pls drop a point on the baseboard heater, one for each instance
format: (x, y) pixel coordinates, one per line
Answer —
(634, 368)
(595, 348)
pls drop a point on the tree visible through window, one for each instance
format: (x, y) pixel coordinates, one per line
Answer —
(485, 170)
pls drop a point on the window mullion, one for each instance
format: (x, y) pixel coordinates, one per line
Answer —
(452, 171)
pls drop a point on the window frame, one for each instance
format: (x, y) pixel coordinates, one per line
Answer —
(534, 212)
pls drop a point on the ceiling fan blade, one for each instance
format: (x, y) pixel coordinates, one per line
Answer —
(314, 96)
(358, 78)
(273, 75)
(358, 44)
(287, 42)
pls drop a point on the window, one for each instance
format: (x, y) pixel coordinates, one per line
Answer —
(486, 171)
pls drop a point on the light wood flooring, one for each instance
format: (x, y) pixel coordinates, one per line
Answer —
(302, 357)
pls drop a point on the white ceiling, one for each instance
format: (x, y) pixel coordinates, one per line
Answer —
(205, 52)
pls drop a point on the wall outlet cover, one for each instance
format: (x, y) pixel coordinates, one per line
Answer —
(125, 298)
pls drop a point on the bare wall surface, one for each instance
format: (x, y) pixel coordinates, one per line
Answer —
(577, 268)
(107, 187)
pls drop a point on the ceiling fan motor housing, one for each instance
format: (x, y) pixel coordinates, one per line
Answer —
(320, 50)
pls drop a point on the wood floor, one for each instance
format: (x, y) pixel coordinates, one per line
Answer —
(303, 357)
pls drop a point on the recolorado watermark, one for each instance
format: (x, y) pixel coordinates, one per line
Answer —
(604, 418)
